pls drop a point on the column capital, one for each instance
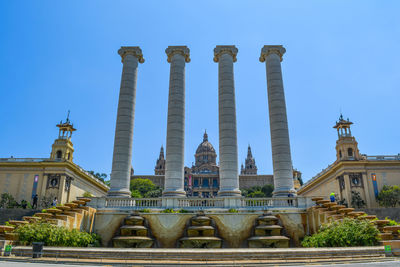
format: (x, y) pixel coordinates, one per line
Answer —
(271, 49)
(131, 50)
(181, 50)
(225, 49)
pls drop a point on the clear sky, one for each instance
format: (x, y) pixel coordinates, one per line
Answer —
(342, 56)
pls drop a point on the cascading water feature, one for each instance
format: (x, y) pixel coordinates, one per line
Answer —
(268, 233)
(200, 233)
(133, 234)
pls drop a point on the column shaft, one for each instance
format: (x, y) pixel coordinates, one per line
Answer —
(228, 172)
(174, 161)
(281, 157)
(122, 156)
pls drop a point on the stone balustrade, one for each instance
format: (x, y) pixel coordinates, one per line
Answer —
(200, 203)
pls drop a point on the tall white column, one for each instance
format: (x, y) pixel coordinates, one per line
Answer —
(281, 157)
(122, 156)
(228, 170)
(174, 161)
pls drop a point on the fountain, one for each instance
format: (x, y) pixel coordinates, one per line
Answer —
(200, 233)
(133, 234)
(268, 233)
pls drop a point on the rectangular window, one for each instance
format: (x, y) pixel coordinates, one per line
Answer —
(215, 183)
(196, 183)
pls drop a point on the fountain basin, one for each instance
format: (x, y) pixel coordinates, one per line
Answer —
(268, 242)
(200, 242)
(132, 242)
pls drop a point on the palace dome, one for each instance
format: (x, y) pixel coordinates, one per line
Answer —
(205, 146)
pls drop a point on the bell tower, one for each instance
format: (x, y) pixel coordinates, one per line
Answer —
(346, 145)
(62, 148)
(160, 164)
(250, 164)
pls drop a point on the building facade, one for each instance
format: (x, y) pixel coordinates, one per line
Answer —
(202, 179)
(57, 176)
(353, 174)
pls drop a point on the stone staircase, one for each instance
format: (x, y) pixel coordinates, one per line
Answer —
(200, 233)
(325, 211)
(267, 233)
(133, 233)
(70, 215)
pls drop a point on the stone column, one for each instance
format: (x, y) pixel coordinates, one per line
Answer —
(174, 160)
(281, 157)
(122, 156)
(228, 170)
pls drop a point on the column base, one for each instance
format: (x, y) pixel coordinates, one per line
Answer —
(230, 193)
(119, 193)
(174, 194)
(284, 193)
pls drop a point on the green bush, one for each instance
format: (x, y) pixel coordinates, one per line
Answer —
(7, 201)
(53, 235)
(233, 211)
(392, 222)
(169, 211)
(347, 233)
(183, 211)
(87, 194)
(389, 196)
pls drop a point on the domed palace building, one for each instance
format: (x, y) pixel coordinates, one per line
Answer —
(202, 179)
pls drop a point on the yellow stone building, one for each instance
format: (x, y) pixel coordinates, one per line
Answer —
(57, 176)
(353, 173)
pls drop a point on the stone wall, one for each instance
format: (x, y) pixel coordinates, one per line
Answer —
(233, 228)
(15, 214)
(381, 213)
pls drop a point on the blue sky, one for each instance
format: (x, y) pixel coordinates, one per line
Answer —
(342, 56)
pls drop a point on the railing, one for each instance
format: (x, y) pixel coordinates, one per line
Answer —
(25, 159)
(269, 202)
(133, 202)
(200, 203)
(381, 157)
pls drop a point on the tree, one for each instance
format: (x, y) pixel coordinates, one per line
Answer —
(256, 194)
(101, 176)
(267, 190)
(389, 196)
(258, 191)
(144, 188)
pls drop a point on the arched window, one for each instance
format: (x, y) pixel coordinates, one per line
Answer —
(350, 152)
(340, 153)
(59, 154)
(69, 156)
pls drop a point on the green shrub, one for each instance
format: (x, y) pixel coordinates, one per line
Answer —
(145, 210)
(233, 211)
(392, 222)
(347, 233)
(7, 201)
(183, 211)
(53, 235)
(87, 194)
(389, 196)
(169, 211)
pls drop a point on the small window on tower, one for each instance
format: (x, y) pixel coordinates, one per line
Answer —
(59, 154)
(340, 153)
(350, 152)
